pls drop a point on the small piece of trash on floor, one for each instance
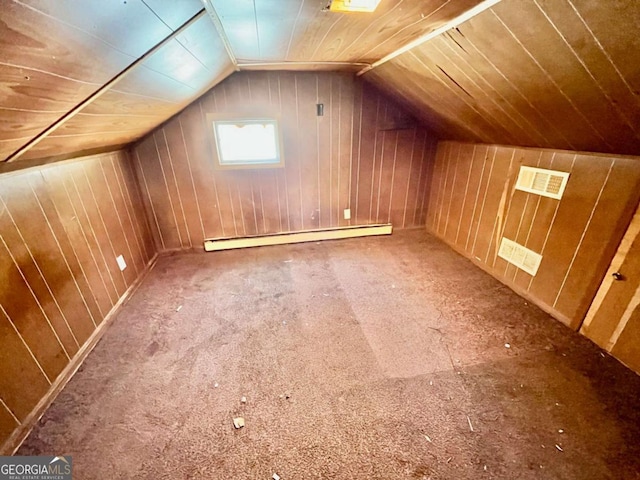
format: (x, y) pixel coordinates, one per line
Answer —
(325, 294)
(559, 448)
(507, 345)
(179, 308)
(470, 425)
(602, 355)
(276, 476)
(238, 422)
(215, 385)
(449, 459)
(485, 468)
(561, 431)
(430, 383)
(393, 286)
(243, 400)
(428, 439)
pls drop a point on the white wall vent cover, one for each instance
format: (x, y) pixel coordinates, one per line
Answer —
(520, 256)
(549, 183)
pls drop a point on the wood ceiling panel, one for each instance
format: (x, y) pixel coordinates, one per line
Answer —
(53, 55)
(174, 14)
(417, 94)
(303, 31)
(548, 82)
(368, 37)
(240, 24)
(180, 69)
(127, 26)
(615, 25)
(64, 145)
(130, 103)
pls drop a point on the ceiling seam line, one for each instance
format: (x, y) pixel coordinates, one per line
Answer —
(105, 88)
(217, 23)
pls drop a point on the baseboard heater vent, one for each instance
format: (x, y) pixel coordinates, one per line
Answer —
(212, 245)
(548, 183)
(520, 256)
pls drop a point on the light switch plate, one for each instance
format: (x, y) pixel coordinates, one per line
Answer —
(347, 214)
(121, 263)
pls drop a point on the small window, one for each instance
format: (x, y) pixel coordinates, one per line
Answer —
(247, 143)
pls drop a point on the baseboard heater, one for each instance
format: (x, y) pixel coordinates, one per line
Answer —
(212, 245)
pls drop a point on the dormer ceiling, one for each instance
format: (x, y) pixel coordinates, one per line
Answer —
(86, 76)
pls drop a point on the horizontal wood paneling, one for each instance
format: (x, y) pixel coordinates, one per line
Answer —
(61, 228)
(473, 204)
(355, 156)
(564, 74)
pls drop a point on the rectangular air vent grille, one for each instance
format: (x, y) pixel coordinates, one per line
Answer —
(520, 256)
(548, 183)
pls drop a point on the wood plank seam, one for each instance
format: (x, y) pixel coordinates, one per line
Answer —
(541, 117)
(33, 294)
(584, 233)
(612, 104)
(98, 93)
(126, 201)
(64, 258)
(175, 182)
(553, 219)
(82, 270)
(193, 185)
(124, 235)
(407, 188)
(84, 236)
(484, 200)
(550, 78)
(104, 225)
(155, 217)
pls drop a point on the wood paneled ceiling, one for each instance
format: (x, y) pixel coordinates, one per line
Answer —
(93, 75)
(545, 73)
(83, 76)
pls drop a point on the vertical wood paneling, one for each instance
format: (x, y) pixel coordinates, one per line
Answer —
(355, 156)
(61, 227)
(613, 320)
(473, 204)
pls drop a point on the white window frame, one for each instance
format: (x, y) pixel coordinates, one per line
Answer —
(214, 120)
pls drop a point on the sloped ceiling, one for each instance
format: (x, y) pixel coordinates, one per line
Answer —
(93, 75)
(79, 76)
(137, 62)
(546, 73)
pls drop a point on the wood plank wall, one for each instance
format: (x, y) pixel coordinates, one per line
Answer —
(61, 228)
(613, 321)
(355, 156)
(473, 204)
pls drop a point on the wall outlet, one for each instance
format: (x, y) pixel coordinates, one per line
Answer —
(121, 263)
(347, 214)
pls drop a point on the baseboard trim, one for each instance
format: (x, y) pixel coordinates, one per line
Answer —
(15, 440)
(212, 245)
